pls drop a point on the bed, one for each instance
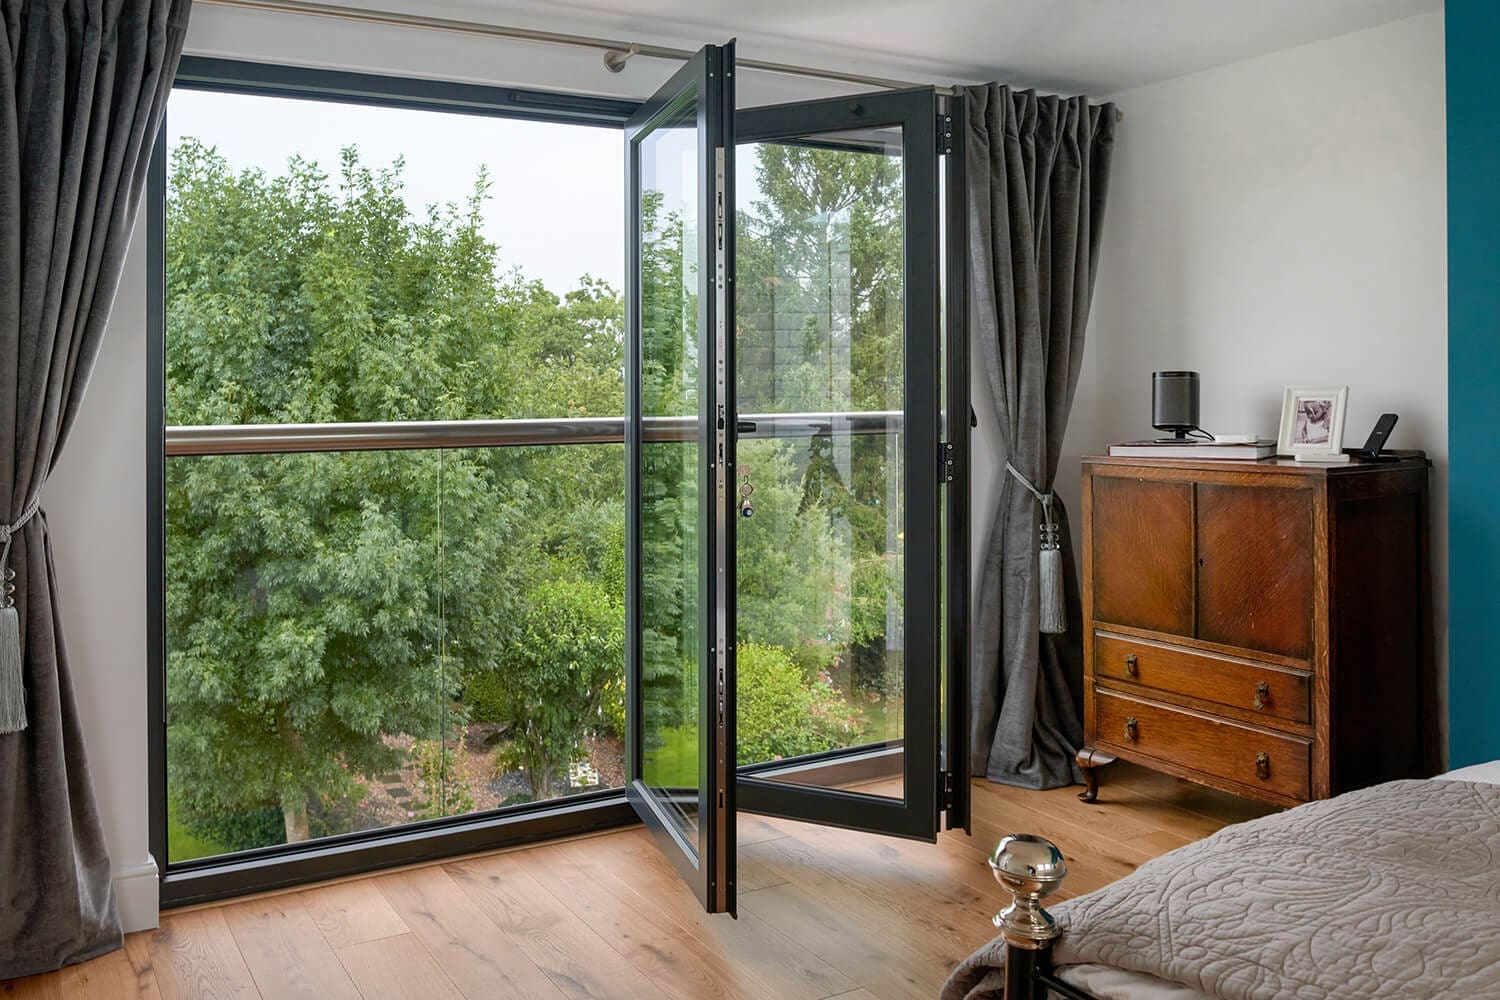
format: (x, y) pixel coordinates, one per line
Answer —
(1389, 891)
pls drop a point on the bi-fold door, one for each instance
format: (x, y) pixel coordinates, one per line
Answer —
(791, 566)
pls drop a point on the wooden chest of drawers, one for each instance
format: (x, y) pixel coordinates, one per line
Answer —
(1261, 628)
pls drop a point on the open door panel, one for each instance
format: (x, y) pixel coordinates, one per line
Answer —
(838, 377)
(680, 530)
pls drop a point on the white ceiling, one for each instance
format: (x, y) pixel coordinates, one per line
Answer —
(1096, 46)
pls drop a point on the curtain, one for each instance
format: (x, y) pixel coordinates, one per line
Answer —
(82, 88)
(1038, 172)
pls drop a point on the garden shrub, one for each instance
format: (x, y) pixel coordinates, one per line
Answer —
(782, 714)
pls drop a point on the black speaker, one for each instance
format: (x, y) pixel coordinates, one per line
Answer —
(1174, 403)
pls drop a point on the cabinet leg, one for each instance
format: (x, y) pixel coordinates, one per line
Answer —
(1089, 759)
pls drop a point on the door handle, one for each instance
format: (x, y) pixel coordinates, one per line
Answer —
(744, 426)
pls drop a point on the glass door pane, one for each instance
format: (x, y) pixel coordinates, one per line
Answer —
(677, 576)
(837, 374)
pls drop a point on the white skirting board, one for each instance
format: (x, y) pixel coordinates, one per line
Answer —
(137, 895)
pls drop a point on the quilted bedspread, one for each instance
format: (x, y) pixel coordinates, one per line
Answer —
(1391, 891)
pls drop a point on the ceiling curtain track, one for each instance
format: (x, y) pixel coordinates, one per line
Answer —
(616, 52)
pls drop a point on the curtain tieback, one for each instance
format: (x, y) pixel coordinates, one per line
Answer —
(12, 684)
(1054, 620)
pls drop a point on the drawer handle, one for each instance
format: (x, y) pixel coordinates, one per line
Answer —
(1130, 729)
(1130, 667)
(1263, 765)
(1262, 695)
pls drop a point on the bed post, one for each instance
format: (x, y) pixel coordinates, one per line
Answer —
(1030, 869)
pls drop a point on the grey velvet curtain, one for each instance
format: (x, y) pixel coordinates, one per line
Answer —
(1038, 172)
(82, 88)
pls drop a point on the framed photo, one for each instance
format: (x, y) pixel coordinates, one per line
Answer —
(1312, 420)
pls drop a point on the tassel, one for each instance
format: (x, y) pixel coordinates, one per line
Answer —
(12, 689)
(1054, 619)
(12, 682)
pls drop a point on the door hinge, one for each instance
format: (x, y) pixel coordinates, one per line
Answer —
(945, 462)
(945, 134)
(945, 779)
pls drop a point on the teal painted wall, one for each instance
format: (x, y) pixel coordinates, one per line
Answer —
(1472, 30)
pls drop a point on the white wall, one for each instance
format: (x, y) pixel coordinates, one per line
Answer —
(1282, 221)
(1273, 222)
(96, 517)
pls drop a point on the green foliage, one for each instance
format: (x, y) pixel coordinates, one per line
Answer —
(782, 714)
(241, 831)
(669, 504)
(442, 786)
(325, 612)
(221, 834)
(788, 558)
(817, 658)
(551, 682)
(484, 696)
(819, 309)
(672, 760)
(319, 605)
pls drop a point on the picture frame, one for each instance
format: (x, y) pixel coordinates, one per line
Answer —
(1312, 420)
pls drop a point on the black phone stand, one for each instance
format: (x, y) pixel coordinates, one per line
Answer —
(1372, 452)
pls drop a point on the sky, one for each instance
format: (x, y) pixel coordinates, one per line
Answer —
(556, 202)
(556, 205)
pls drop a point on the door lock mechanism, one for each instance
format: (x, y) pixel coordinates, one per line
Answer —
(746, 510)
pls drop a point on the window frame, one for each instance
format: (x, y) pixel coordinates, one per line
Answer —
(282, 865)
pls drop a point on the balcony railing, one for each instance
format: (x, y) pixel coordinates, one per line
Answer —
(260, 439)
(382, 577)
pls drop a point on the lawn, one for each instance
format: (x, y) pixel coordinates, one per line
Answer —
(675, 763)
(182, 845)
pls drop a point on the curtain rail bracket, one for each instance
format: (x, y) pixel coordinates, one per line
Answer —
(615, 59)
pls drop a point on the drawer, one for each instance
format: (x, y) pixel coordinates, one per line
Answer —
(1272, 691)
(1225, 750)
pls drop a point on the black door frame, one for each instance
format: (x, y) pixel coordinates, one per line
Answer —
(707, 867)
(185, 883)
(958, 423)
(917, 814)
(200, 880)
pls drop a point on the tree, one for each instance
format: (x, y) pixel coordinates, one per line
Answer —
(550, 684)
(321, 605)
(333, 618)
(781, 714)
(819, 278)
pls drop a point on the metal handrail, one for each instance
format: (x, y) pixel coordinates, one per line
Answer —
(263, 439)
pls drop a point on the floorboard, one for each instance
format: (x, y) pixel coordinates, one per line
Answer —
(581, 963)
(824, 914)
(196, 956)
(352, 913)
(398, 968)
(285, 952)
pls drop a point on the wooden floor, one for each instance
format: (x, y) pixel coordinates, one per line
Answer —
(822, 913)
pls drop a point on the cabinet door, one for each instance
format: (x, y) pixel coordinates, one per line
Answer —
(1143, 554)
(1255, 568)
